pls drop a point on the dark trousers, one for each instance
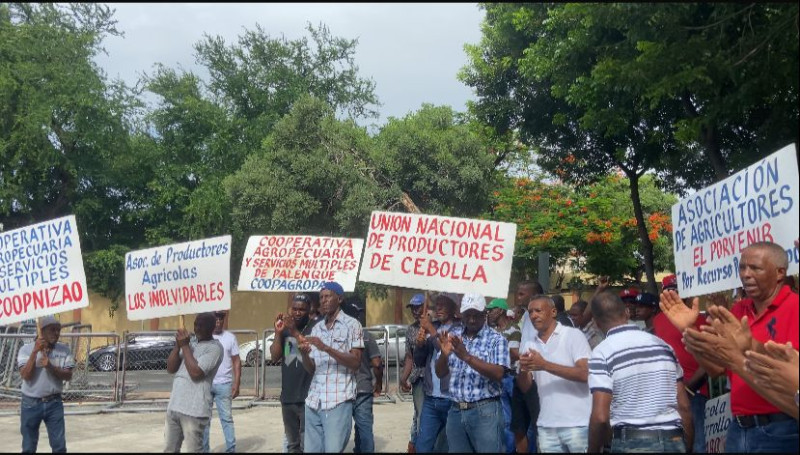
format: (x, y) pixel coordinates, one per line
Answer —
(294, 424)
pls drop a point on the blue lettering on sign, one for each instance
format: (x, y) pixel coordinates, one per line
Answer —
(277, 284)
(35, 255)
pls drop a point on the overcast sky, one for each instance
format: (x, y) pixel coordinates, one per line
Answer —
(412, 51)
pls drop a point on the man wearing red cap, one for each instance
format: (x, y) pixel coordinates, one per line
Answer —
(694, 376)
(628, 297)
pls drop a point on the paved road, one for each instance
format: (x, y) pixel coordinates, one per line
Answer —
(258, 429)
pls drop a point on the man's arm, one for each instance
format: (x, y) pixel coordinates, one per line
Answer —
(351, 359)
(276, 348)
(26, 371)
(685, 411)
(236, 364)
(377, 370)
(600, 422)
(602, 285)
(525, 379)
(305, 354)
(492, 371)
(534, 361)
(174, 360)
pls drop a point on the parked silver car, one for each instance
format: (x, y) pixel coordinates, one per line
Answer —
(397, 341)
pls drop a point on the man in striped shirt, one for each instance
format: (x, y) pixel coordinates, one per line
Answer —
(638, 397)
(476, 357)
(332, 355)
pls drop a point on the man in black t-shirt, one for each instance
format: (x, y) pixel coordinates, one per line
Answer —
(295, 380)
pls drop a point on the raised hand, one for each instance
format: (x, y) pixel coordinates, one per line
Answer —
(445, 344)
(315, 341)
(182, 338)
(726, 325)
(680, 315)
(279, 324)
(602, 282)
(778, 369)
(458, 346)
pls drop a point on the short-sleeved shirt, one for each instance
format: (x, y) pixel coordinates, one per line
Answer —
(641, 373)
(364, 375)
(332, 382)
(230, 348)
(673, 337)
(295, 380)
(780, 323)
(190, 397)
(466, 384)
(563, 403)
(43, 383)
(411, 345)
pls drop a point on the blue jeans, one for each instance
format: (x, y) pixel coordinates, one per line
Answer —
(432, 422)
(221, 393)
(563, 440)
(476, 430)
(32, 413)
(653, 444)
(328, 431)
(775, 437)
(505, 398)
(698, 405)
(363, 419)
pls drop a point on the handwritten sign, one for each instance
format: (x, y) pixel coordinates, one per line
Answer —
(41, 271)
(717, 420)
(712, 226)
(439, 253)
(184, 278)
(291, 263)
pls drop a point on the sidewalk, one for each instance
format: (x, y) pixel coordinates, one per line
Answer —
(258, 429)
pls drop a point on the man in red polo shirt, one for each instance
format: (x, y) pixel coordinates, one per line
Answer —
(694, 377)
(770, 312)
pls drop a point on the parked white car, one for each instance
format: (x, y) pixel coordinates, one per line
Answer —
(397, 341)
(251, 351)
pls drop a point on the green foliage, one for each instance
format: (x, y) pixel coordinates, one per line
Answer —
(434, 157)
(591, 229)
(105, 273)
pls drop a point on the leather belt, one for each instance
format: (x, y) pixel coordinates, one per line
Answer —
(622, 432)
(46, 399)
(760, 420)
(464, 405)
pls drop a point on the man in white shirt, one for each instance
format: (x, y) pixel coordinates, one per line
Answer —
(226, 384)
(557, 359)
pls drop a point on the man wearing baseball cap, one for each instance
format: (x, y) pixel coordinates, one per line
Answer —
(295, 380)
(411, 378)
(44, 365)
(628, 297)
(332, 355)
(646, 309)
(475, 357)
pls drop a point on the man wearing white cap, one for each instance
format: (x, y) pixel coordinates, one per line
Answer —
(44, 366)
(479, 359)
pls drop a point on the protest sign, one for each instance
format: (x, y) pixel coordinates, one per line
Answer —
(717, 420)
(439, 253)
(713, 225)
(184, 278)
(41, 271)
(295, 263)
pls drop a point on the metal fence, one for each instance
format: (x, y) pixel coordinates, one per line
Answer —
(131, 369)
(88, 384)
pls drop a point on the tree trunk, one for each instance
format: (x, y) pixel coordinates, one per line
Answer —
(647, 245)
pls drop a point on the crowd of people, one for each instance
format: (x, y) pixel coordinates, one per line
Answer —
(622, 372)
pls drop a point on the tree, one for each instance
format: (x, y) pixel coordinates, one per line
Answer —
(590, 229)
(62, 125)
(581, 85)
(434, 158)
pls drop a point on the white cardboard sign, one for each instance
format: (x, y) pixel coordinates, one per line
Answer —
(712, 226)
(717, 420)
(439, 253)
(295, 263)
(41, 271)
(183, 278)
